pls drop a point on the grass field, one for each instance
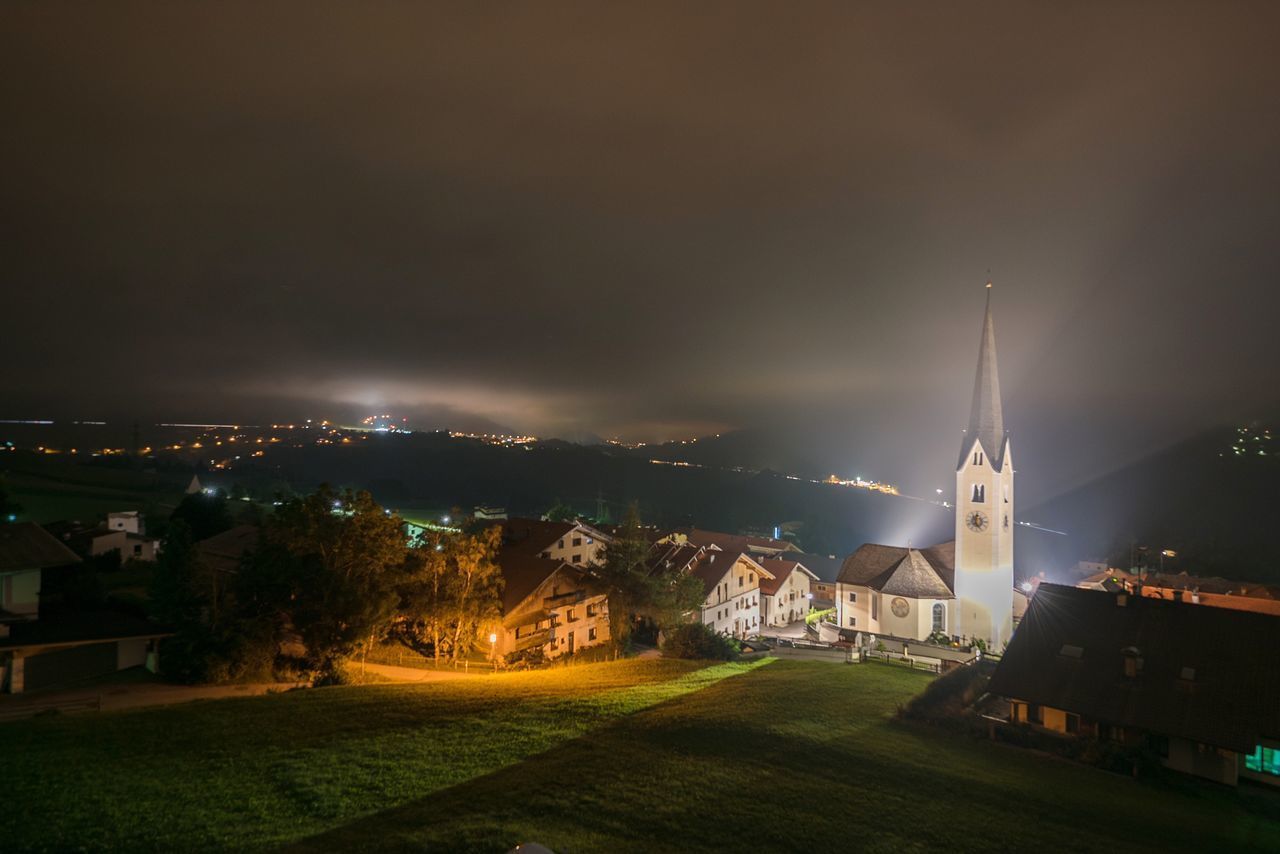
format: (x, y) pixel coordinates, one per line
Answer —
(640, 755)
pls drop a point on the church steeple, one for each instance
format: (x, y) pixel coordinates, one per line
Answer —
(986, 418)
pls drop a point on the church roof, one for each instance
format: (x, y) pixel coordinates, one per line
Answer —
(986, 417)
(897, 571)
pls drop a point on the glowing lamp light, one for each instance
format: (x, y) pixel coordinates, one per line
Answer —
(1169, 553)
(445, 519)
(1026, 587)
(493, 637)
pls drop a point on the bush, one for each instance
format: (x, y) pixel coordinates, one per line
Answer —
(526, 659)
(696, 640)
(948, 696)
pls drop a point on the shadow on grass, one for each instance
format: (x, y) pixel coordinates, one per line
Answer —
(797, 756)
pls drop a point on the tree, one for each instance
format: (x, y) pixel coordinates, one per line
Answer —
(424, 597)
(204, 515)
(449, 589)
(9, 510)
(474, 586)
(625, 579)
(338, 558)
(560, 512)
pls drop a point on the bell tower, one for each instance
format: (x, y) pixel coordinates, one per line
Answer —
(984, 509)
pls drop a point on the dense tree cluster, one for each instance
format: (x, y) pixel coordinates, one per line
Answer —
(331, 576)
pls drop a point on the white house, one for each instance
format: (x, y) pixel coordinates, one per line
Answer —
(38, 653)
(731, 581)
(575, 543)
(785, 593)
(550, 604)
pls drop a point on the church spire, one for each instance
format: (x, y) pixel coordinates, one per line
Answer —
(986, 419)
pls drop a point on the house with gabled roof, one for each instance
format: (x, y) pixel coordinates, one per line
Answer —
(731, 582)
(786, 592)
(548, 603)
(1194, 684)
(37, 650)
(575, 543)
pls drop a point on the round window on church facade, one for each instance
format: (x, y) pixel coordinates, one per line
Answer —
(900, 607)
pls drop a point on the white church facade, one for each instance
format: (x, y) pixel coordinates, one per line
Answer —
(961, 589)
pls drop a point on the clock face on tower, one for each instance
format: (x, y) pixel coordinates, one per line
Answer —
(977, 521)
(900, 607)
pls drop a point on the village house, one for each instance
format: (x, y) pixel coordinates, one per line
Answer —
(1183, 587)
(39, 650)
(756, 547)
(547, 603)
(731, 581)
(575, 543)
(825, 570)
(785, 592)
(1195, 685)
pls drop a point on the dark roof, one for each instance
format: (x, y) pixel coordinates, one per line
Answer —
(522, 573)
(711, 566)
(25, 545)
(224, 552)
(733, 542)
(898, 571)
(780, 570)
(534, 536)
(1230, 699)
(80, 628)
(825, 567)
(672, 557)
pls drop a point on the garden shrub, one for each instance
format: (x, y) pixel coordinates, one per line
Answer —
(696, 640)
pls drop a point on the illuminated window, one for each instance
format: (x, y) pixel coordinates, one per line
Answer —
(1264, 760)
(939, 617)
(979, 493)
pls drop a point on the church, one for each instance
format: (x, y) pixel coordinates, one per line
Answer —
(962, 589)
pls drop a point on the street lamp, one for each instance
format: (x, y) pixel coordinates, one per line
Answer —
(1164, 553)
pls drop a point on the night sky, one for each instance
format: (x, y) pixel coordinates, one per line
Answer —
(651, 222)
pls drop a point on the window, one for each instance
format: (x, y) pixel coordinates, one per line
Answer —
(1264, 760)
(1034, 714)
(742, 581)
(979, 493)
(591, 610)
(875, 607)
(1006, 521)
(576, 559)
(939, 617)
(977, 458)
(591, 633)
(570, 616)
(853, 597)
(577, 541)
(1073, 723)
(545, 555)
(1006, 493)
(591, 541)
(562, 542)
(751, 576)
(853, 621)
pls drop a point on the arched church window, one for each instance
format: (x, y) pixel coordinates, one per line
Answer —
(977, 458)
(979, 492)
(939, 617)
(1006, 521)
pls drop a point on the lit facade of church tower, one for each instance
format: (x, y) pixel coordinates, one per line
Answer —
(984, 510)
